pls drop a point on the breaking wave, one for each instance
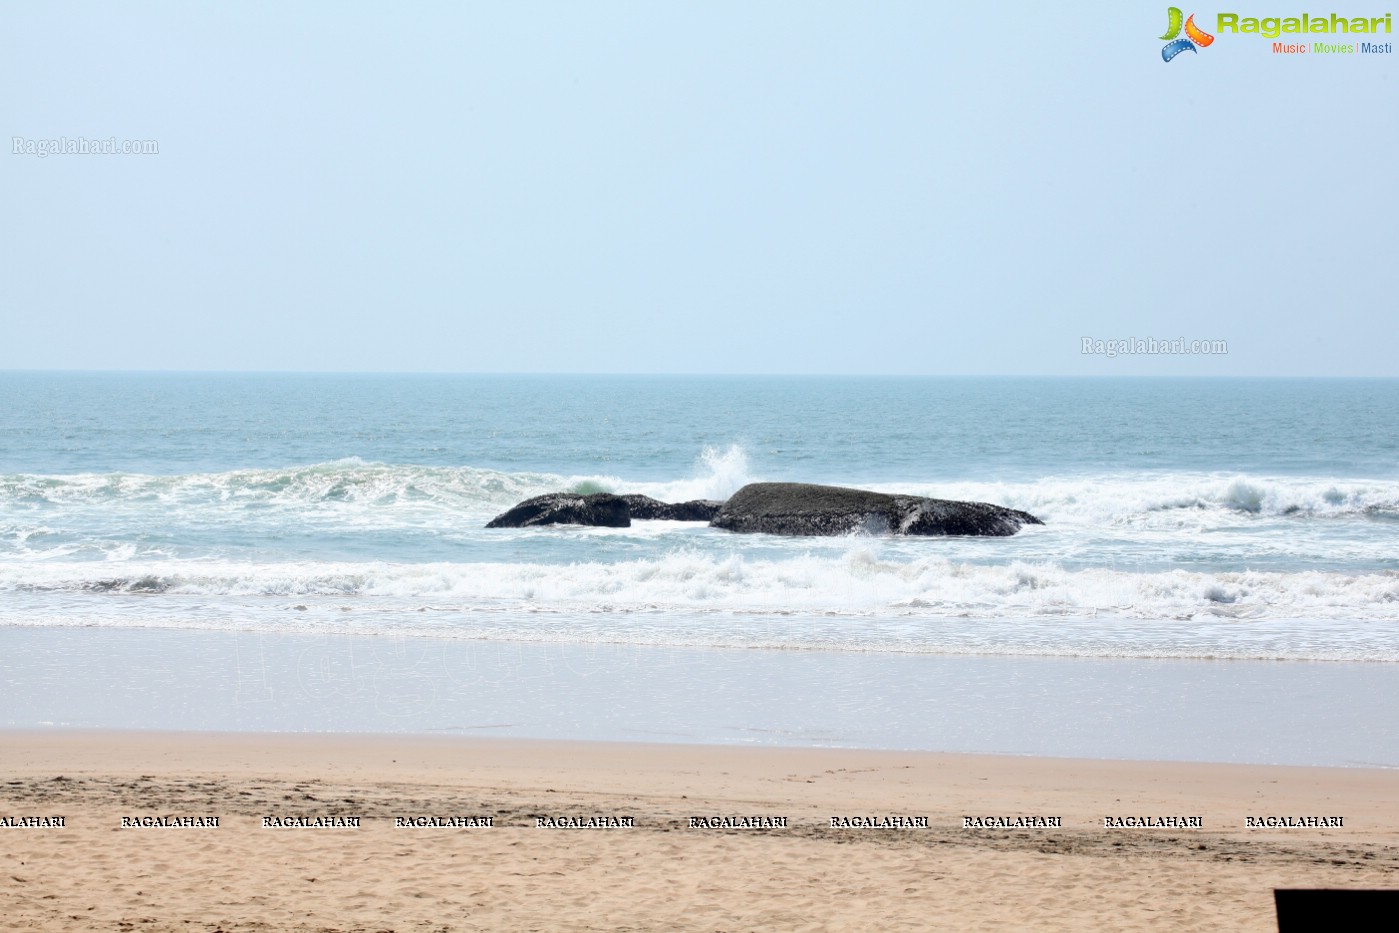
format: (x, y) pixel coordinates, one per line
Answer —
(329, 545)
(356, 484)
(352, 483)
(858, 583)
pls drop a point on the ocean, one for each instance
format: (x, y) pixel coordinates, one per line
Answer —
(1185, 519)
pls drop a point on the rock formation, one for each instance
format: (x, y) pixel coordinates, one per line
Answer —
(695, 510)
(566, 508)
(778, 509)
(804, 509)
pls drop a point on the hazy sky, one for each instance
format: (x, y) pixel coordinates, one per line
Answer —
(691, 187)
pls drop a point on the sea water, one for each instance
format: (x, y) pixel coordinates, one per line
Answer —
(1192, 519)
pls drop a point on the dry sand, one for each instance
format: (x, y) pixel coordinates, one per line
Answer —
(661, 875)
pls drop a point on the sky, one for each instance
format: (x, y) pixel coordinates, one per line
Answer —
(660, 187)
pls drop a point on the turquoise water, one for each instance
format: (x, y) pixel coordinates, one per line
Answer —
(1184, 518)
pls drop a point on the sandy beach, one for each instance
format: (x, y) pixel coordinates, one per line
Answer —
(656, 837)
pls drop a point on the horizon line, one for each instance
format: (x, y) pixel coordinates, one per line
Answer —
(696, 374)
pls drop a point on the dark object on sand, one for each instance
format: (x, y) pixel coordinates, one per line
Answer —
(567, 508)
(804, 509)
(1313, 911)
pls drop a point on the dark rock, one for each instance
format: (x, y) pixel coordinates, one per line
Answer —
(695, 510)
(803, 509)
(566, 508)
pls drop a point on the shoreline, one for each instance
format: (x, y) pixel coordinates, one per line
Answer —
(483, 737)
(1294, 713)
(661, 873)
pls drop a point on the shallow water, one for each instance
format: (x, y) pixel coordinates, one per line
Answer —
(1301, 713)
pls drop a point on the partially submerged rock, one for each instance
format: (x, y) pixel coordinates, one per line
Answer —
(805, 509)
(695, 510)
(566, 508)
(777, 509)
(601, 508)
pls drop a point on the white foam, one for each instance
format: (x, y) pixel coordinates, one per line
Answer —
(857, 583)
(406, 491)
(717, 474)
(1173, 499)
(1125, 552)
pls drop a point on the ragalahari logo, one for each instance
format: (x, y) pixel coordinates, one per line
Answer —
(1174, 45)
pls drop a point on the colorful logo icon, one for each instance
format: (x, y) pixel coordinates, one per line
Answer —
(1174, 45)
